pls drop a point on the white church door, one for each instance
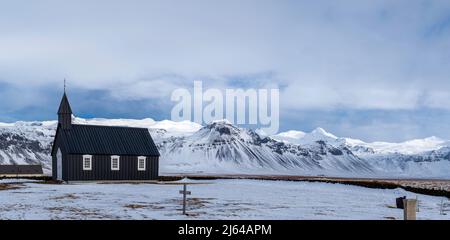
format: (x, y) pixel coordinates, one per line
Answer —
(59, 165)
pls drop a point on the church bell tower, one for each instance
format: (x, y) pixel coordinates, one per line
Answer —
(65, 112)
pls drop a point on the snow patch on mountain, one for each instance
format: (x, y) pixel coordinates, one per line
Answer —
(299, 137)
(415, 146)
(170, 127)
(291, 136)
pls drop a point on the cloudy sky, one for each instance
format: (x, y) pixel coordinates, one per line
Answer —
(374, 70)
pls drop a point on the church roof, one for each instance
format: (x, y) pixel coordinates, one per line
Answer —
(107, 140)
(64, 106)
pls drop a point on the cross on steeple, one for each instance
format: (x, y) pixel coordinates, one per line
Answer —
(64, 85)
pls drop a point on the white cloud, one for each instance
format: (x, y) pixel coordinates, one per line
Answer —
(351, 54)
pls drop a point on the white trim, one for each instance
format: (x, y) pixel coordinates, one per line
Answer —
(140, 167)
(87, 162)
(113, 158)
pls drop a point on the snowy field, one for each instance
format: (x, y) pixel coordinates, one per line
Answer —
(215, 199)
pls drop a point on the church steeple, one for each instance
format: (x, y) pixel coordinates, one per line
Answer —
(65, 113)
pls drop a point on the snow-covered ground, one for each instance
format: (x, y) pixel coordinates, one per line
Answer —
(215, 199)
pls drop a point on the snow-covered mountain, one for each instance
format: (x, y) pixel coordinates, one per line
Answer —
(26, 142)
(425, 158)
(220, 147)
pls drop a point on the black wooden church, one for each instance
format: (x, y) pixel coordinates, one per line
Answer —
(98, 153)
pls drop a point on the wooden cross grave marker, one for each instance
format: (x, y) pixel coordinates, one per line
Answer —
(184, 192)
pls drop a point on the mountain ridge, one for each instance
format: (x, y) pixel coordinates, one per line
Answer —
(221, 147)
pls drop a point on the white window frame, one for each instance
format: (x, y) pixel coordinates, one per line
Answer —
(139, 165)
(87, 159)
(118, 163)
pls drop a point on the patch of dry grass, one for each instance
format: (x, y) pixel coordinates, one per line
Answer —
(50, 181)
(142, 206)
(80, 213)
(66, 196)
(135, 206)
(6, 186)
